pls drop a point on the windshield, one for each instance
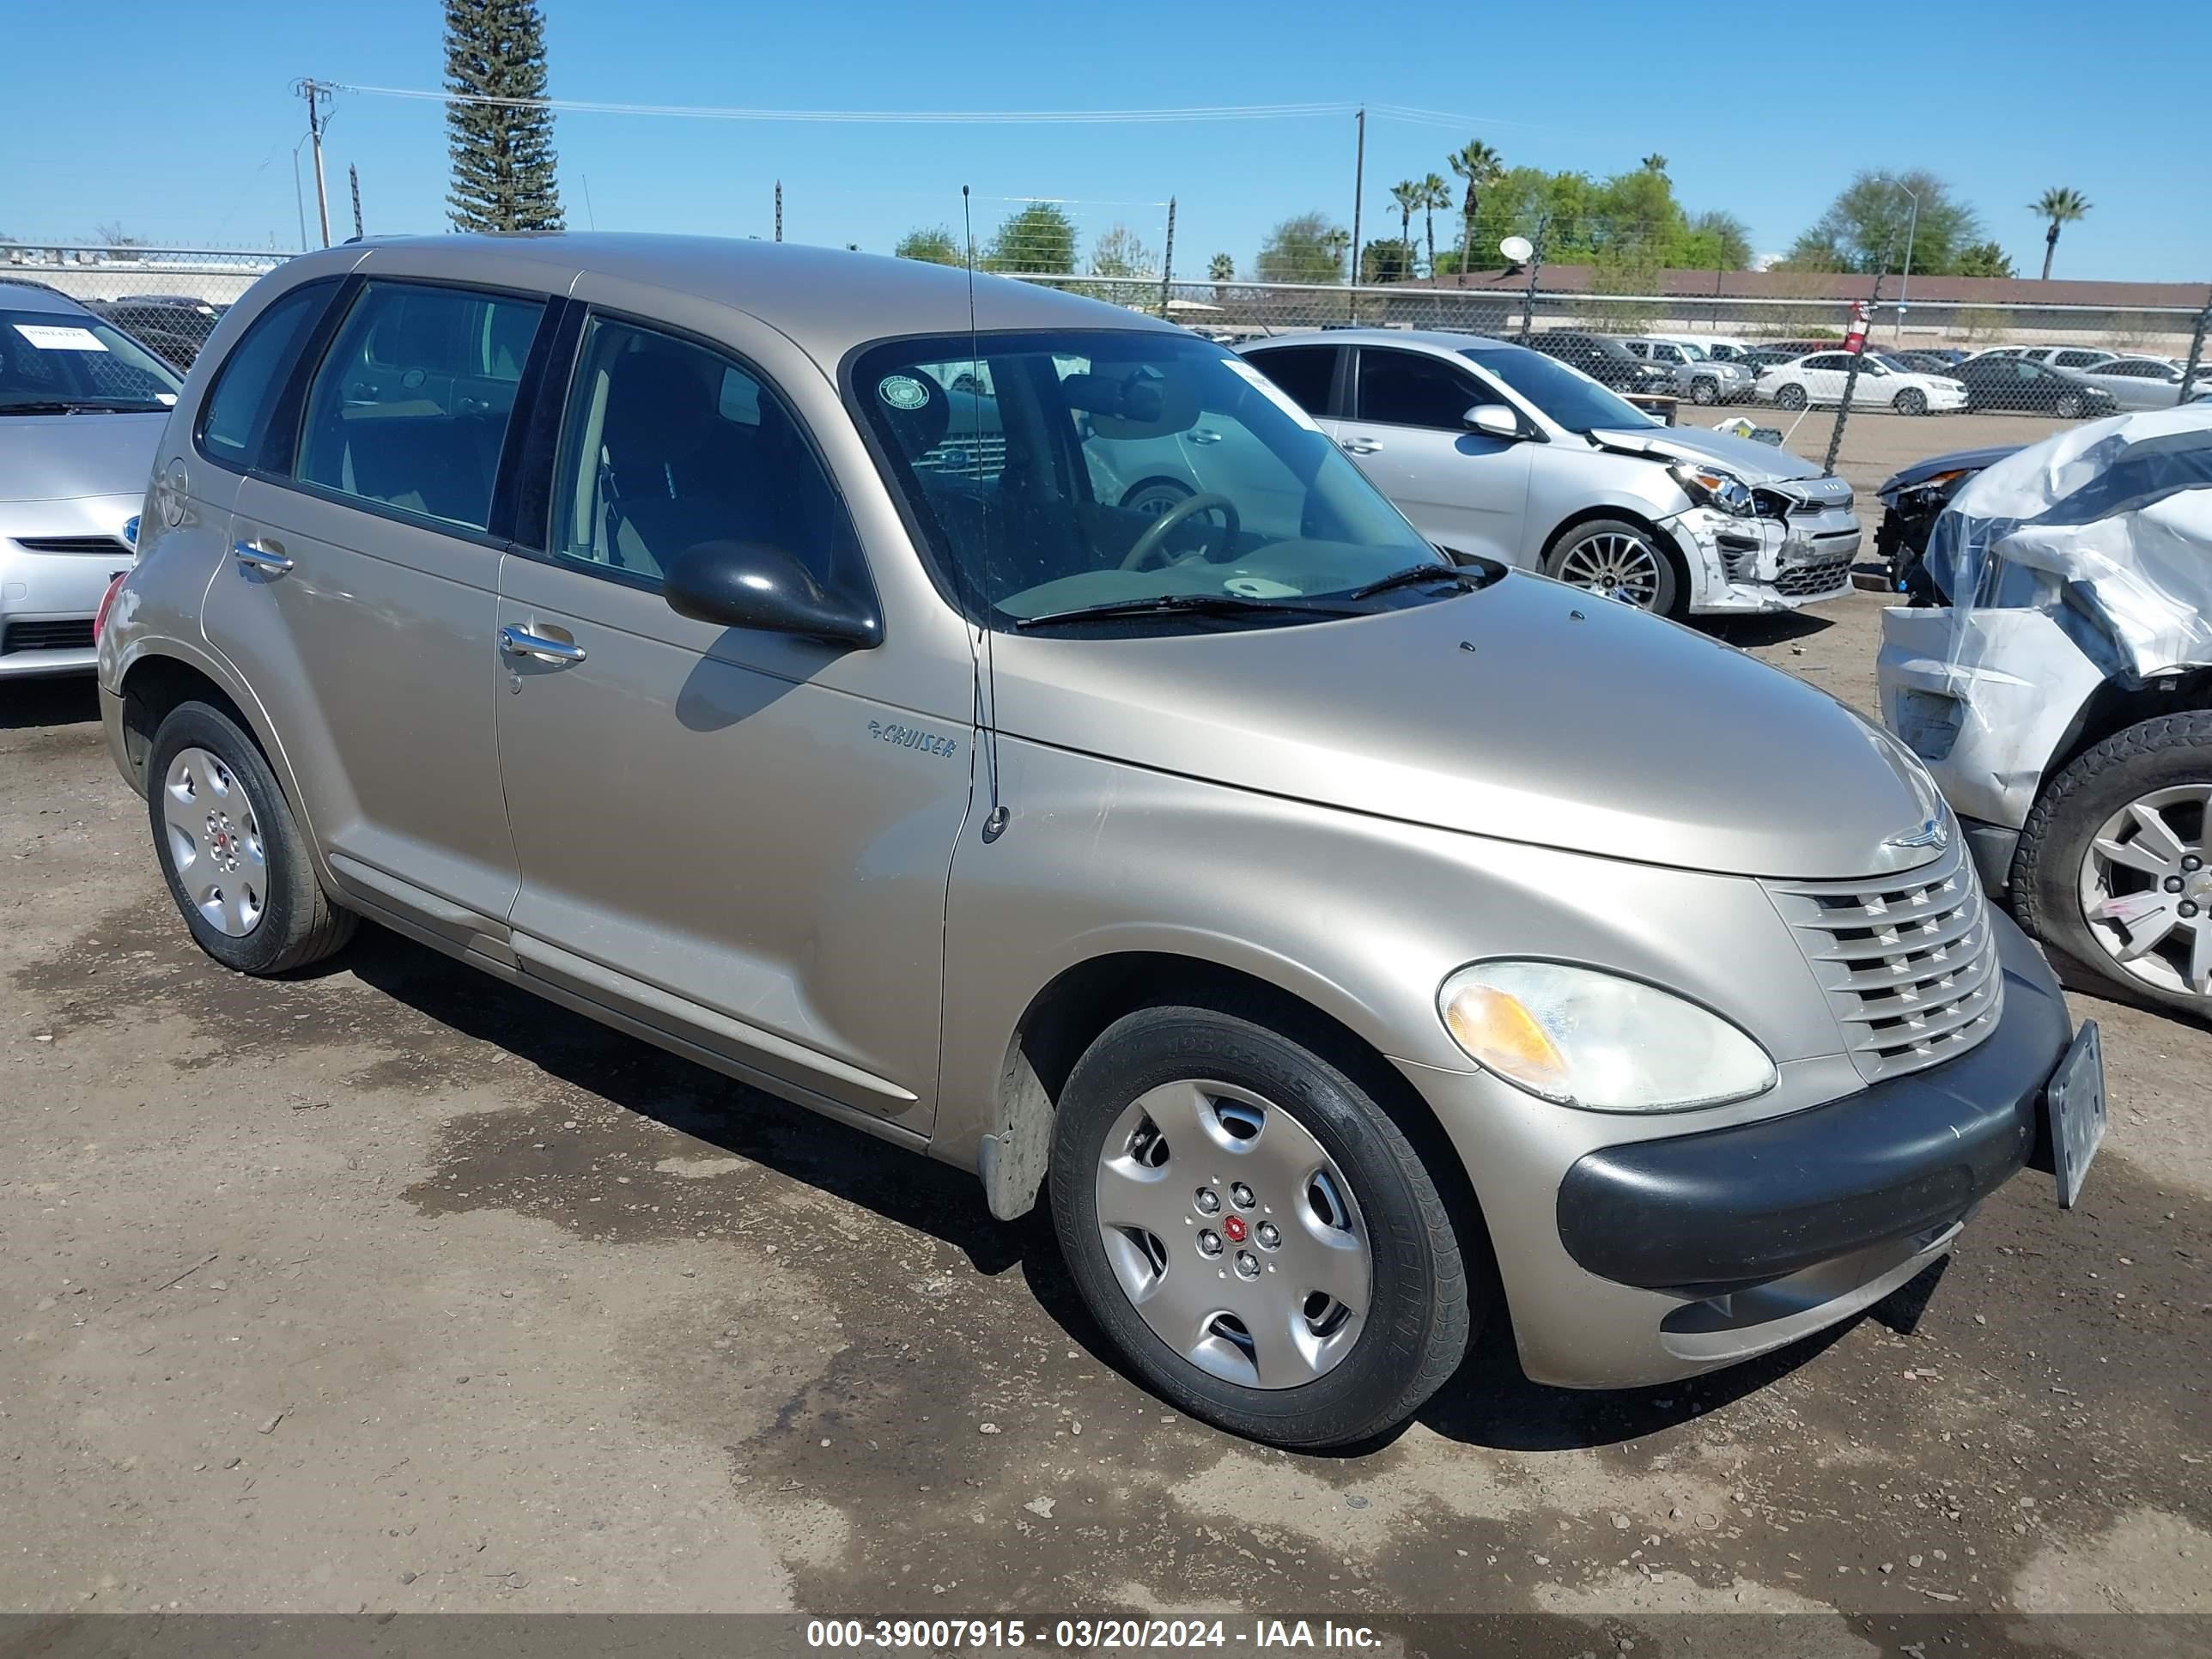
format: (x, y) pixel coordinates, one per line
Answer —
(1560, 391)
(1696, 354)
(1053, 472)
(73, 360)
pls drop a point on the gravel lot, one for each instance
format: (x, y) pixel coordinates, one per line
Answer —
(391, 1287)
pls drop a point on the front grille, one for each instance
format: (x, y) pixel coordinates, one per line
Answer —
(75, 544)
(72, 635)
(1908, 961)
(973, 458)
(1803, 580)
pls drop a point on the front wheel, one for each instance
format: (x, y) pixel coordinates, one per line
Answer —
(1616, 560)
(1791, 396)
(1254, 1231)
(1910, 401)
(1704, 391)
(2069, 405)
(2114, 867)
(230, 850)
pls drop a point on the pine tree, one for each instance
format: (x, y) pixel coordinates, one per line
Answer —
(503, 164)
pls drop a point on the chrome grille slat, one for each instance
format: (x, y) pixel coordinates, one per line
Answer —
(1909, 961)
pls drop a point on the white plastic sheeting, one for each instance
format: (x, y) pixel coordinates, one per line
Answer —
(2083, 558)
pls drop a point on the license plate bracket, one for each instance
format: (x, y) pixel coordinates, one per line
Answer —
(2076, 1099)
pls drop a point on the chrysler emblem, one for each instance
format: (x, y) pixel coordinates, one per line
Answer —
(1930, 832)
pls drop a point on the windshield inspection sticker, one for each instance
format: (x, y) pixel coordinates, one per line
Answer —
(902, 392)
(49, 337)
(1273, 393)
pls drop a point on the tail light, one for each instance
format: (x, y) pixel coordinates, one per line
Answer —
(107, 601)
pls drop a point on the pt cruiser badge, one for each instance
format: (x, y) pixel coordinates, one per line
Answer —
(908, 737)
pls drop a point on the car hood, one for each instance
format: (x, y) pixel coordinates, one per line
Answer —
(1527, 711)
(53, 458)
(1967, 460)
(1754, 462)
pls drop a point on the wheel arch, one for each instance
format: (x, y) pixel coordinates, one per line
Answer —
(2113, 707)
(1640, 515)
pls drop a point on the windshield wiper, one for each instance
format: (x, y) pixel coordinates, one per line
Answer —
(1169, 605)
(1469, 577)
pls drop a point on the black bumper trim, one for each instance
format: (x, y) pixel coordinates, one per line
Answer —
(1722, 1211)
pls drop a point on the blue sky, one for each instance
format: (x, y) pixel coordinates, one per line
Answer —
(180, 125)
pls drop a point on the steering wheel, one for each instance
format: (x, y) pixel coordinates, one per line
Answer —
(1148, 543)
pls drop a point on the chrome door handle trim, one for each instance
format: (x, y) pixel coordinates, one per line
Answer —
(1357, 446)
(521, 642)
(256, 557)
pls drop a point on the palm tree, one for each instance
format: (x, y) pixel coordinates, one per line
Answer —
(1336, 240)
(1407, 195)
(1479, 164)
(1655, 162)
(2062, 205)
(1221, 268)
(1436, 193)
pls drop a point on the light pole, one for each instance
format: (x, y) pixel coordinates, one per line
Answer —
(1911, 225)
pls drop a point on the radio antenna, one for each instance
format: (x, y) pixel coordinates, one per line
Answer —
(994, 822)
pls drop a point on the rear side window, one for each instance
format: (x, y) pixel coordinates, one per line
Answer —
(1305, 372)
(254, 373)
(1402, 388)
(410, 404)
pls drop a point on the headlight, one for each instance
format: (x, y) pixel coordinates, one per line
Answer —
(1594, 1040)
(1709, 486)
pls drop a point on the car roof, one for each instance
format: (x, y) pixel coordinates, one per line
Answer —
(29, 295)
(826, 301)
(1434, 339)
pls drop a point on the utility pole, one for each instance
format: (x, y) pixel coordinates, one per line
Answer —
(2196, 351)
(1167, 259)
(317, 95)
(353, 177)
(1905, 283)
(1358, 190)
(1535, 264)
(779, 209)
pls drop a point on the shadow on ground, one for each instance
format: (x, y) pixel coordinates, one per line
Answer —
(64, 699)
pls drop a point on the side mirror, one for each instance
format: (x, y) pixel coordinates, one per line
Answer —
(1494, 421)
(751, 585)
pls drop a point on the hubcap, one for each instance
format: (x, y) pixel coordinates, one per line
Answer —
(2147, 888)
(1618, 566)
(215, 842)
(1234, 1234)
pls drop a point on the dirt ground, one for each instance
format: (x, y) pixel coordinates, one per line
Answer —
(392, 1288)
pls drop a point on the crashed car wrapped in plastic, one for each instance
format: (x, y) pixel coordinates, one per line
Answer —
(2062, 696)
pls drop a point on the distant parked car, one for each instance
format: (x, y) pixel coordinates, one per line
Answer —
(2141, 382)
(174, 327)
(1605, 360)
(2079, 357)
(1821, 378)
(1923, 362)
(81, 409)
(1490, 448)
(1700, 379)
(2004, 382)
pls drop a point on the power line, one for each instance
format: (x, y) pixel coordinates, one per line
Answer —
(921, 118)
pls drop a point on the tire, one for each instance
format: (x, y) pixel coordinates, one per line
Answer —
(1791, 396)
(2070, 406)
(1703, 390)
(272, 914)
(1910, 401)
(1369, 1370)
(1153, 496)
(2057, 875)
(1661, 590)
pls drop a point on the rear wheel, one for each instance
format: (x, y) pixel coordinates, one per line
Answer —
(1791, 396)
(1617, 560)
(2069, 405)
(1910, 401)
(235, 860)
(2115, 864)
(1154, 496)
(1254, 1231)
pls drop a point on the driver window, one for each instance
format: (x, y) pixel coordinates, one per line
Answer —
(666, 444)
(1402, 388)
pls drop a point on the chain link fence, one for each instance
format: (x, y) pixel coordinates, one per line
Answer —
(167, 299)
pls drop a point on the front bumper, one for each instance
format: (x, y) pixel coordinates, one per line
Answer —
(1652, 1259)
(48, 598)
(1763, 564)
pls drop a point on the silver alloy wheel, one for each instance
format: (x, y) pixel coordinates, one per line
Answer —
(1615, 566)
(2146, 889)
(214, 842)
(1234, 1234)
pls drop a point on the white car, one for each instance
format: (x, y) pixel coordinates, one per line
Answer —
(1882, 384)
(2141, 382)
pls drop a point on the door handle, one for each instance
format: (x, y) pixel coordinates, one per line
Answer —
(1357, 446)
(521, 642)
(262, 554)
(1201, 436)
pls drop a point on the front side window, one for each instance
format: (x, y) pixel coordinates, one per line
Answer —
(59, 362)
(409, 406)
(254, 372)
(1404, 388)
(1124, 466)
(666, 444)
